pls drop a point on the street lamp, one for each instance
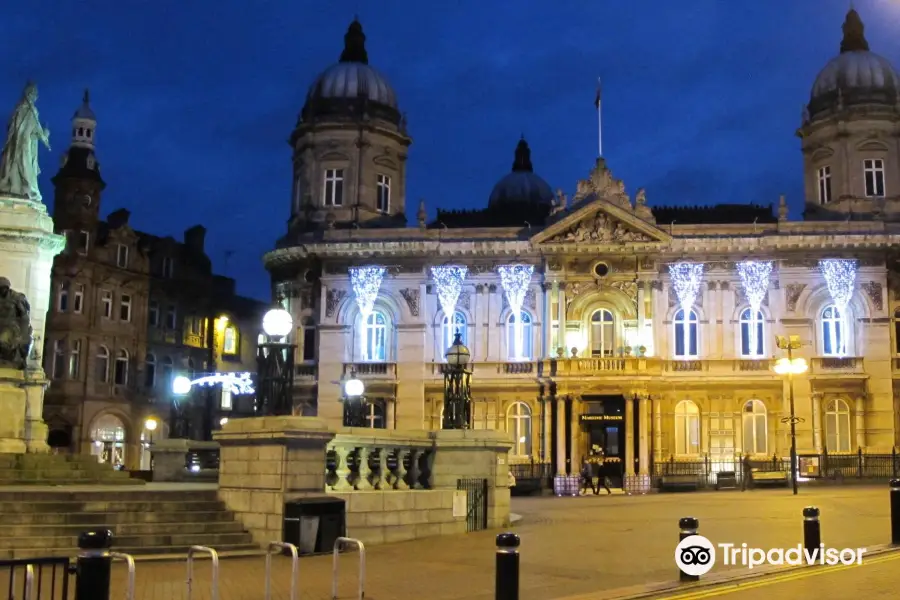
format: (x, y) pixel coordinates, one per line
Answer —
(457, 388)
(355, 404)
(275, 364)
(791, 366)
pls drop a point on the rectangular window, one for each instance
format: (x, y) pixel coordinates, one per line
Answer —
(225, 402)
(873, 169)
(59, 359)
(170, 317)
(195, 325)
(122, 256)
(824, 176)
(168, 267)
(62, 301)
(333, 190)
(78, 299)
(74, 359)
(106, 300)
(687, 434)
(153, 313)
(84, 242)
(383, 187)
(125, 308)
(230, 342)
(309, 343)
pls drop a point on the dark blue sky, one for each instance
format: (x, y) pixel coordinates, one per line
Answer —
(701, 98)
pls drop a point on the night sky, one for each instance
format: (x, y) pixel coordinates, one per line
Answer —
(701, 98)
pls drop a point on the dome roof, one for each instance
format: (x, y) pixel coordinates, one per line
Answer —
(84, 111)
(856, 75)
(351, 85)
(522, 185)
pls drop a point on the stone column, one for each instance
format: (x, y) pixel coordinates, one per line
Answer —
(562, 318)
(573, 441)
(704, 432)
(657, 430)
(641, 316)
(861, 422)
(493, 308)
(739, 432)
(390, 412)
(560, 435)
(410, 376)
(547, 318)
(629, 436)
(479, 345)
(643, 440)
(817, 420)
(546, 402)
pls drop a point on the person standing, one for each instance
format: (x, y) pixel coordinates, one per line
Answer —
(587, 477)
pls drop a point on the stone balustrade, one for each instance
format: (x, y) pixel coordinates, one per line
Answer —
(185, 460)
(379, 459)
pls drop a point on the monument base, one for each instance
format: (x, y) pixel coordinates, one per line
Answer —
(21, 398)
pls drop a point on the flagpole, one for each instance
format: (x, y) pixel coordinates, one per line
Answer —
(599, 121)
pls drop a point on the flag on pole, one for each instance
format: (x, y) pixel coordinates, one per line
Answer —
(597, 99)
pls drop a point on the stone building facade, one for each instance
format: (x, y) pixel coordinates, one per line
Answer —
(129, 311)
(607, 355)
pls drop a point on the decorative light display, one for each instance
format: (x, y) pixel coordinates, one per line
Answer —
(755, 280)
(449, 280)
(515, 280)
(840, 276)
(238, 384)
(686, 278)
(366, 282)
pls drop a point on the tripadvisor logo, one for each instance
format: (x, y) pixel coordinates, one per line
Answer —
(695, 555)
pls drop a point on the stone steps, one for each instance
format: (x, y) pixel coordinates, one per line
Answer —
(122, 529)
(53, 469)
(182, 540)
(103, 506)
(248, 549)
(89, 519)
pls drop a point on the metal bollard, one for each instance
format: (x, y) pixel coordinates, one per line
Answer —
(214, 557)
(687, 526)
(812, 530)
(895, 511)
(93, 565)
(282, 548)
(507, 587)
(338, 544)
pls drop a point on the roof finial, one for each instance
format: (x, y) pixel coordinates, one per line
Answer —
(523, 158)
(86, 100)
(854, 35)
(355, 44)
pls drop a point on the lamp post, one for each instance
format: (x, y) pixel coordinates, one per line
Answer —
(150, 425)
(791, 366)
(355, 404)
(275, 365)
(457, 388)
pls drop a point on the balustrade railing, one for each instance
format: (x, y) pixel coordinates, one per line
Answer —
(303, 370)
(367, 462)
(382, 370)
(847, 364)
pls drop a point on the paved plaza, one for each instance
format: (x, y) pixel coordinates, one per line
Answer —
(571, 547)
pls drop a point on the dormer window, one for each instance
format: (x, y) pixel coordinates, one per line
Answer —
(873, 170)
(84, 241)
(824, 177)
(122, 256)
(333, 190)
(383, 198)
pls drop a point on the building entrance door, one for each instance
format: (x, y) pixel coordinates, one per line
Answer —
(603, 431)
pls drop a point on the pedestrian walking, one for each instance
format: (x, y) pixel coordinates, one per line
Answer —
(587, 477)
(746, 473)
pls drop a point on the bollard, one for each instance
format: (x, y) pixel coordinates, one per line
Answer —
(812, 530)
(507, 567)
(93, 565)
(687, 526)
(895, 511)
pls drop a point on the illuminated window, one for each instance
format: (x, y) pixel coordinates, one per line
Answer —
(687, 428)
(686, 329)
(873, 171)
(383, 188)
(333, 189)
(375, 332)
(755, 428)
(527, 337)
(603, 333)
(837, 426)
(225, 399)
(230, 343)
(824, 176)
(748, 323)
(449, 330)
(518, 423)
(832, 331)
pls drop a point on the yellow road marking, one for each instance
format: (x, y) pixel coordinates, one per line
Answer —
(739, 587)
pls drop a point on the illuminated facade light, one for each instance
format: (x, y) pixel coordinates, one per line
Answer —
(515, 280)
(238, 384)
(449, 281)
(755, 281)
(840, 276)
(686, 278)
(366, 283)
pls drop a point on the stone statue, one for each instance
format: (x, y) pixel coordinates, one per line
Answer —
(19, 162)
(15, 327)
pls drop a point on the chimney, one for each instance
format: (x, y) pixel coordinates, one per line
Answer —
(118, 218)
(194, 238)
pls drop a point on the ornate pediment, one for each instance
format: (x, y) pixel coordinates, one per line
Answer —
(600, 228)
(601, 184)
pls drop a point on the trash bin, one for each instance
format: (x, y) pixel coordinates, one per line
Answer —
(726, 480)
(313, 524)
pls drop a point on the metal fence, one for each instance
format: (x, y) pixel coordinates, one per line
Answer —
(476, 502)
(43, 578)
(532, 476)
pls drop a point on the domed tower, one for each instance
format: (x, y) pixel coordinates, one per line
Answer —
(521, 187)
(349, 147)
(849, 134)
(78, 183)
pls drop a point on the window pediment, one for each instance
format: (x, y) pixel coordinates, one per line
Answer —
(333, 156)
(872, 145)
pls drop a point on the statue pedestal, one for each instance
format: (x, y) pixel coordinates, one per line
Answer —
(21, 427)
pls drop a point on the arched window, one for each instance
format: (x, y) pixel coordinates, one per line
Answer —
(527, 337)
(686, 333)
(121, 375)
(59, 359)
(837, 426)
(750, 322)
(755, 428)
(687, 428)
(166, 372)
(832, 331)
(150, 371)
(897, 331)
(375, 337)
(230, 341)
(603, 333)
(102, 364)
(518, 423)
(449, 331)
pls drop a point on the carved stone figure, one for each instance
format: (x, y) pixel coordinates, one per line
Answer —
(411, 296)
(792, 293)
(15, 326)
(873, 289)
(600, 229)
(332, 300)
(19, 161)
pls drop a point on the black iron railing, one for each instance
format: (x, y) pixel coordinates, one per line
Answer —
(49, 581)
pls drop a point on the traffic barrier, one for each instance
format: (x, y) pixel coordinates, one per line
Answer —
(93, 565)
(280, 547)
(895, 512)
(215, 570)
(812, 529)
(507, 585)
(687, 527)
(362, 566)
